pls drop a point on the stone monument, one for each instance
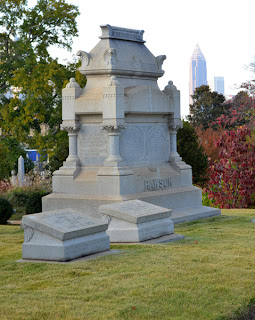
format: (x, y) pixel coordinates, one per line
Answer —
(122, 134)
(62, 235)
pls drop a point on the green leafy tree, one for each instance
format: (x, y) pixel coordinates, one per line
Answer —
(10, 150)
(60, 152)
(28, 71)
(207, 107)
(193, 153)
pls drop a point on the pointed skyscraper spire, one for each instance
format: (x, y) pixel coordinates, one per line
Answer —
(198, 72)
(197, 54)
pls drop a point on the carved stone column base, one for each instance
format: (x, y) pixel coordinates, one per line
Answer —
(115, 171)
(112, 162)
(72, 160)
(175, 157)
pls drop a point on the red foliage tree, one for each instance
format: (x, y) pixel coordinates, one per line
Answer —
(207, 139)
(232, 178)
(240, 112)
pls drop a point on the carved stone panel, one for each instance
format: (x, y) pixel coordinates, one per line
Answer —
(92, 145)
(157, 144)
(132, 144)
(145, 144)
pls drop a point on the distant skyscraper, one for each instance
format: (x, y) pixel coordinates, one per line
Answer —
(219, 84)
(198, 73)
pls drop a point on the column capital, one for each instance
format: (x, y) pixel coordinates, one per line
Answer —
(173, 127)
(71, 129)
(174, 124)
(112, 128)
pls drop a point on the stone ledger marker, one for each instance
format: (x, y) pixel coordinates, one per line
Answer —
(136, 221)
(122, 133)
(62, 235)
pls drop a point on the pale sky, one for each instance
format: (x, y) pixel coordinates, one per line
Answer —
(224, 30)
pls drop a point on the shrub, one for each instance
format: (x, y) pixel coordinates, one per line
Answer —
(10, 150)
(18, 197)
(5, 185)
(34, 202)
(193, 153)
(6, 210)
(206, 201)
(232, 178)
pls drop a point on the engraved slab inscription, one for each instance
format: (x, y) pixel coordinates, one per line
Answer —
(92, 145)
(64, 224)
(135, 211)
(68, 221)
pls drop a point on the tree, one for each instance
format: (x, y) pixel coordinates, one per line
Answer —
(207, 107)
(207, 138)
(28, 71)
(10, 150)
(193, 153)
(241, 112)
(232, 177)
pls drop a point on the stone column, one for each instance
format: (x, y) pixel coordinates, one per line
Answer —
(114, 157)
(72, 134)
(174, 155)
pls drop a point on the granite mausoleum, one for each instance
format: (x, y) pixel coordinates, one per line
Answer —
(122, 134)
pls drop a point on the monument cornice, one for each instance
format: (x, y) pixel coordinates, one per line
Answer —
(121, 72)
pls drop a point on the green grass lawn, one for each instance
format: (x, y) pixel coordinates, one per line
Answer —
(208, 275)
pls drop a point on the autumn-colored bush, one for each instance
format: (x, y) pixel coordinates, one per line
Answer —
(5, 185)
(207, 139)
(232, 177)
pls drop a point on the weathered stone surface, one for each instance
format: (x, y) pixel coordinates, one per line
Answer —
(135, 211)
(136, 221)
(122, 132)
(62, 235)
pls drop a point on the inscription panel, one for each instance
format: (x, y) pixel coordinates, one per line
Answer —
(92, 145)
(69, 221)
(136, 208)
(145, 144)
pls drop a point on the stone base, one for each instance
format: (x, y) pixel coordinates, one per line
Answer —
(123, 231)
(85, 258)
(185, 202)
(164, 239)
(89, 203)
(190, 214)
(57, 250)
(63, 235)
(136, 221)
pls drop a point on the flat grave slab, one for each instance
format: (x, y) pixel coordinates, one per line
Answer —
(136, 221)
(62, 235)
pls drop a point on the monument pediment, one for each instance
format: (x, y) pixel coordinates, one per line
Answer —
(147, 99)
(121, 52)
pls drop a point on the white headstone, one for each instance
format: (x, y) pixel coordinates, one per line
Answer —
(13, 178)
(21, 171)
(62, 235)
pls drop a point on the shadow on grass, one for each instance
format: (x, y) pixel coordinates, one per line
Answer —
(243, 313)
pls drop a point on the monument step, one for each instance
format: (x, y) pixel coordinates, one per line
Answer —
(193, 213)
